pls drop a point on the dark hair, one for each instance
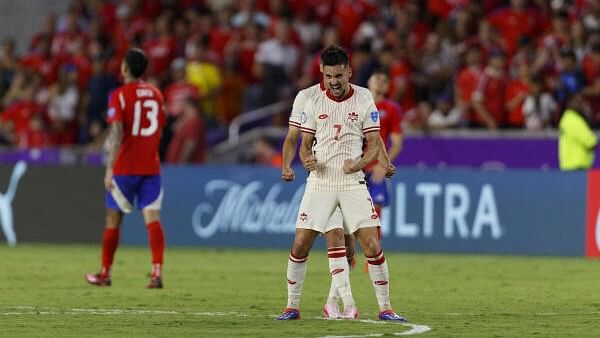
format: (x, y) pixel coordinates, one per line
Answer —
(136, 61)
(381, 71)
(334, 56)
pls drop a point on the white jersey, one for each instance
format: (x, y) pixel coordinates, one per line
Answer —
(339, 126)
(300, 101)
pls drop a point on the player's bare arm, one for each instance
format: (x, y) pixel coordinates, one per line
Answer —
(385, 168)
(373, 150)
(309, 161)
(289, 152)
(115, 136)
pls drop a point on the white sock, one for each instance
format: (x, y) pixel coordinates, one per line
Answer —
(296, 271)
(340, 274)
(334, 296)
(378, 271)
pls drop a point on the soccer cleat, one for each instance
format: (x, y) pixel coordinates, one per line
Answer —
(350, 312)
(331, 311)
(390, 315)
(289, 314)
(155, 283)
(97, 279)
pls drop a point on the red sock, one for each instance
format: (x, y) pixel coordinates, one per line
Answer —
(110, 242)
(156, 240)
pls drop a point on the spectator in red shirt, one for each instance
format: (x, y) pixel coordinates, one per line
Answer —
(16, 118)
(81, 63)
(36, 135)
(160, 48)
(188, 142)
(514, 21)
(40, 60)
(64, 42)
(175, 95)
(488, 99)
(516, 92)
(179, 89)
(467, 80)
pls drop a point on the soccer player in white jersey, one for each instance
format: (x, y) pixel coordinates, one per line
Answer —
(339, 118)
(330, 309)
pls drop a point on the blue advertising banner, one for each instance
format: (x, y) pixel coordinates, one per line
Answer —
(468, 211)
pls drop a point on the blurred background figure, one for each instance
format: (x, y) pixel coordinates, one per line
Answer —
(188, 143)
(444, 116)
(265, 153)
(276, 64)
(539, 107)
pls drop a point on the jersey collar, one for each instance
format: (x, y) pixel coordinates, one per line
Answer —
(341, 99)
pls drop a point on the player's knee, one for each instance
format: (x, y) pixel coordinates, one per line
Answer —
(300, 250)
(335, 238)
(113, 218)
(371, 245)
(301, 247)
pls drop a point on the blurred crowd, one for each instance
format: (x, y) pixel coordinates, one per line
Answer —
(453, 63)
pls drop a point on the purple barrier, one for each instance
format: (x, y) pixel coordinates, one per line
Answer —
(436, 151)
(419, 151)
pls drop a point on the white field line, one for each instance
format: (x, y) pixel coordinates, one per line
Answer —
(31, 310)
(540, 314)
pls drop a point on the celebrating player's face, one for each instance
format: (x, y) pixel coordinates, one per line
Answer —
(336, 79)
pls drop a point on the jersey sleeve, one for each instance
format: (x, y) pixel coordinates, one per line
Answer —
(370, 115)
(307, 119)
(297, 109)
(116, 103)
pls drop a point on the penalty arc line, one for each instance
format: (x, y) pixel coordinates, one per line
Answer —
(31, 310)
(414, 329)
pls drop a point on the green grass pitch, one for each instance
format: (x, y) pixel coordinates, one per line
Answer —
(236, 293)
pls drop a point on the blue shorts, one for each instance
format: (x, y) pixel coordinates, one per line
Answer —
(378, 191)
(146, 190)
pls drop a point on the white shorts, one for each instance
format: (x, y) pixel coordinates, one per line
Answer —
(318, 210)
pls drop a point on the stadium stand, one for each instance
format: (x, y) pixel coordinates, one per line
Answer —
(515, 60)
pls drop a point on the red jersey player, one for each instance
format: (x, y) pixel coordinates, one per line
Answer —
(391, 133)
(136, 117)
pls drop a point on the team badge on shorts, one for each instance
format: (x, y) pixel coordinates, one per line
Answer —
(374, 116)
(303, 117)
(303, 217)
(352, 117)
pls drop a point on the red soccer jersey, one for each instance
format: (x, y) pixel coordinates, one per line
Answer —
(512, 24)
(491, 91)
(140, 107)
(160, 51)
(467, 82)
(390, 117)
(515, 88)
(176, 93)
(400, 73)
